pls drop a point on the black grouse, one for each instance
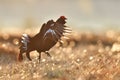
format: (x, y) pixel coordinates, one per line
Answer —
(50, 33)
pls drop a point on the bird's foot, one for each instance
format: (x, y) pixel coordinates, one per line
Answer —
(39, 60)
(28, 56)
(48, 54)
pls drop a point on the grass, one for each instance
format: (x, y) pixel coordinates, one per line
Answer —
(85, 56)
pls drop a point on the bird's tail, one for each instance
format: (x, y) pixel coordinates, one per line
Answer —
(24, 46)
(25, 40)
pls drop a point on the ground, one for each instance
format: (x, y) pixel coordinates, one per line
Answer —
(84, 56)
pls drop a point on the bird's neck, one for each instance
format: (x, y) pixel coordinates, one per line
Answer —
(61, 21)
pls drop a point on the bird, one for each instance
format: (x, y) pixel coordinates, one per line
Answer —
(49, 34)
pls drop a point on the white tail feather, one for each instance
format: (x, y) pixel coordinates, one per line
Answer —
(25, 40)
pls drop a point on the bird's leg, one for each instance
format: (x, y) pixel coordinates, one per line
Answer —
(48, 54)
(39, 57)
(28, 56)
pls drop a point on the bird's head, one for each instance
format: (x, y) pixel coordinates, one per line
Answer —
(63, 17)
(61, 20)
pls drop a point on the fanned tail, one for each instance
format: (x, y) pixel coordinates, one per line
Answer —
(24, 46)
(25, 40)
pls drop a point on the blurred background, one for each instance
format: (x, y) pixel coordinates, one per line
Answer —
(91, 15)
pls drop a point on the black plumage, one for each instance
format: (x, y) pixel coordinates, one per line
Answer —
(50, 33)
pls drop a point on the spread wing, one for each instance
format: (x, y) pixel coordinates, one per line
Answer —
(45, 27)
(53, 31)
